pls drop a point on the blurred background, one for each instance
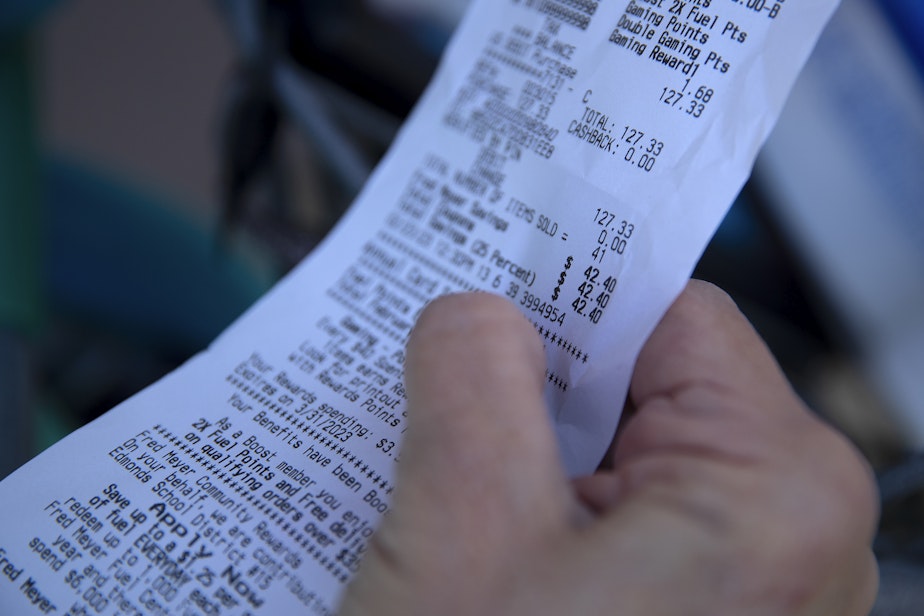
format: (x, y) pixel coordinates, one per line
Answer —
(163, 163)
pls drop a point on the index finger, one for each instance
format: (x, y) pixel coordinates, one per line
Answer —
(704, 341)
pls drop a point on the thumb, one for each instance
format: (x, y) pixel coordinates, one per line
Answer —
(479, 438)
(479, 479)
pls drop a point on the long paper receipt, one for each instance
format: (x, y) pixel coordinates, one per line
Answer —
(574, 156)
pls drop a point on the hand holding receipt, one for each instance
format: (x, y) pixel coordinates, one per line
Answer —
(571, 156)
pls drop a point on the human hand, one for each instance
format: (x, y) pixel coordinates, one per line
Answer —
(726, 496)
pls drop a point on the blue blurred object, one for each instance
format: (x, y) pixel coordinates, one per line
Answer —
(126, 261)
(907, 17)
(80, 252)
(18, 15)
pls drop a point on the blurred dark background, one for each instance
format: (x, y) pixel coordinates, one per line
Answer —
(161, 164)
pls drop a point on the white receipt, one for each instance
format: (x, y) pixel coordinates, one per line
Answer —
(572, 155)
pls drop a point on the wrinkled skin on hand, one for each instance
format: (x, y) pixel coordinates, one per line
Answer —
(725, 494)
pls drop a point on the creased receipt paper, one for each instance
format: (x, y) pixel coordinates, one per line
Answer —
(572, 155)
